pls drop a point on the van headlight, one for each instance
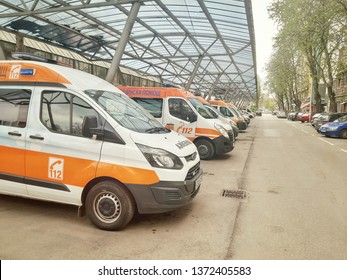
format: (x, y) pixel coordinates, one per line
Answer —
(221, 130)
(160, 158)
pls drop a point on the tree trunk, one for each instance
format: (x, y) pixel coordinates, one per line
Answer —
(317, 96)
(332, 99)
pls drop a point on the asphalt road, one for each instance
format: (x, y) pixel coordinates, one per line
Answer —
(295, 208)
(297, 185)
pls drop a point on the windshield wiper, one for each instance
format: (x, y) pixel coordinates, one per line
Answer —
(157, 129)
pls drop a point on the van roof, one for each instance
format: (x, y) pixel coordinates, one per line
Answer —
(218, 102)
(154, 92)
(17, 71)
(230, 104)
(199, 98)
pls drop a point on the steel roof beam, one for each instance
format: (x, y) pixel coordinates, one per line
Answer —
(66, 8)
(195, 70)
(123, 42)
(210, 19)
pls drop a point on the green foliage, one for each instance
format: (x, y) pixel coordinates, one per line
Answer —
(311, 32)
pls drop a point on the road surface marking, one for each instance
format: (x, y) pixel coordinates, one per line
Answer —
(343, 150)
(327, 142)
(304, 131)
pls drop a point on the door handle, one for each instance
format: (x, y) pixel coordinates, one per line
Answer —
(38, 137)
(14, 133)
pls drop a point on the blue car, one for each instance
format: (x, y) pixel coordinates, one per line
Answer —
(337, 128)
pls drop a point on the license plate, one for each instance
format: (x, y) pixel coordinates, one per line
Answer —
(198, 181)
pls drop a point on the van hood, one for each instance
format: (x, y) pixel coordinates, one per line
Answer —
(171, 142)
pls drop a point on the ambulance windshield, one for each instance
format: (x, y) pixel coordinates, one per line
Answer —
(201, 109)
(127, 112)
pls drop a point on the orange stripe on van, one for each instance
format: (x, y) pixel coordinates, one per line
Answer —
(76, 172)
(217, 102)
(42, 73)
(153, 92)
(12, 160)
(207, 131)
(127, 174)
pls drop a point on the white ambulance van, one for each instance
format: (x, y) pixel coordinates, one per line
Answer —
(70, 137)
(229, 112)
(214, 112)
(170, 106)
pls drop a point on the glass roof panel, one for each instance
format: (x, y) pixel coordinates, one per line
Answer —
(167, 38)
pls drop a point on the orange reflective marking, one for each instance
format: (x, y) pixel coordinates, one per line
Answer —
(217, 102)
(76, 171)
(207, 131)
(12, 160)
(153, 92)
(127, 174)
(10, 73)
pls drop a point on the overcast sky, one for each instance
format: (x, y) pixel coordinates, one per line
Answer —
(265, 30)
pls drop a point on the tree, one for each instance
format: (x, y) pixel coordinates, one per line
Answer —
(332, 20)
(315, 28)
(287, 75)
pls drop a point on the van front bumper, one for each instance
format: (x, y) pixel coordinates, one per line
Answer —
(165, 196)
(223, 145)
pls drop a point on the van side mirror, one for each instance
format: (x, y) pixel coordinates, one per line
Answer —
(192, 117)
(88, 123)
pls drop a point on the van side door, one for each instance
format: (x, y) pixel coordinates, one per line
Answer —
(14, 106)
(62, 156)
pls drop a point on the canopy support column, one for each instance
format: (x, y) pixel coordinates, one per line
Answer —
(213, 87)
(123, 42)
(192, 76)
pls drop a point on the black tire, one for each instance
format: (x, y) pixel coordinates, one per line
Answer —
(343, 134)
(110, 206)
(205, 148)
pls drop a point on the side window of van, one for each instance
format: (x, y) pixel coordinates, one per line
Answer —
(225, 111)
(65, 113)
(179, 108)
(14, 105)
(152, 105)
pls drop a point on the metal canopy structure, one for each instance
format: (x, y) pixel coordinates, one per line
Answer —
(201, 45)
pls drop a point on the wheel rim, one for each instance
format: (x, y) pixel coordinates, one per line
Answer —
(203, 150)
(344, 134)
(107, 207)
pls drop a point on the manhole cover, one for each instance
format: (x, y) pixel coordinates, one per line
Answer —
(239, 194)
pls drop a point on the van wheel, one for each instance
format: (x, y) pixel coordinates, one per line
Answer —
(343, 134)
(205, 148)
(110, 206)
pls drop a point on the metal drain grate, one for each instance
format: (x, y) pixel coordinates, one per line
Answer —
(239, 194)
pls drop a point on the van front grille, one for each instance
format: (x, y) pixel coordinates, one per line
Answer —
(193, 171)
(173, 195)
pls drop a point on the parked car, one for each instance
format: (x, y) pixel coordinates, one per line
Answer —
(292, 116)
(337, 128)
(258, 113)
(248, 113)
(305, 117)
(298, 116)
(326, 118)
(316, 117)
(281, 114)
